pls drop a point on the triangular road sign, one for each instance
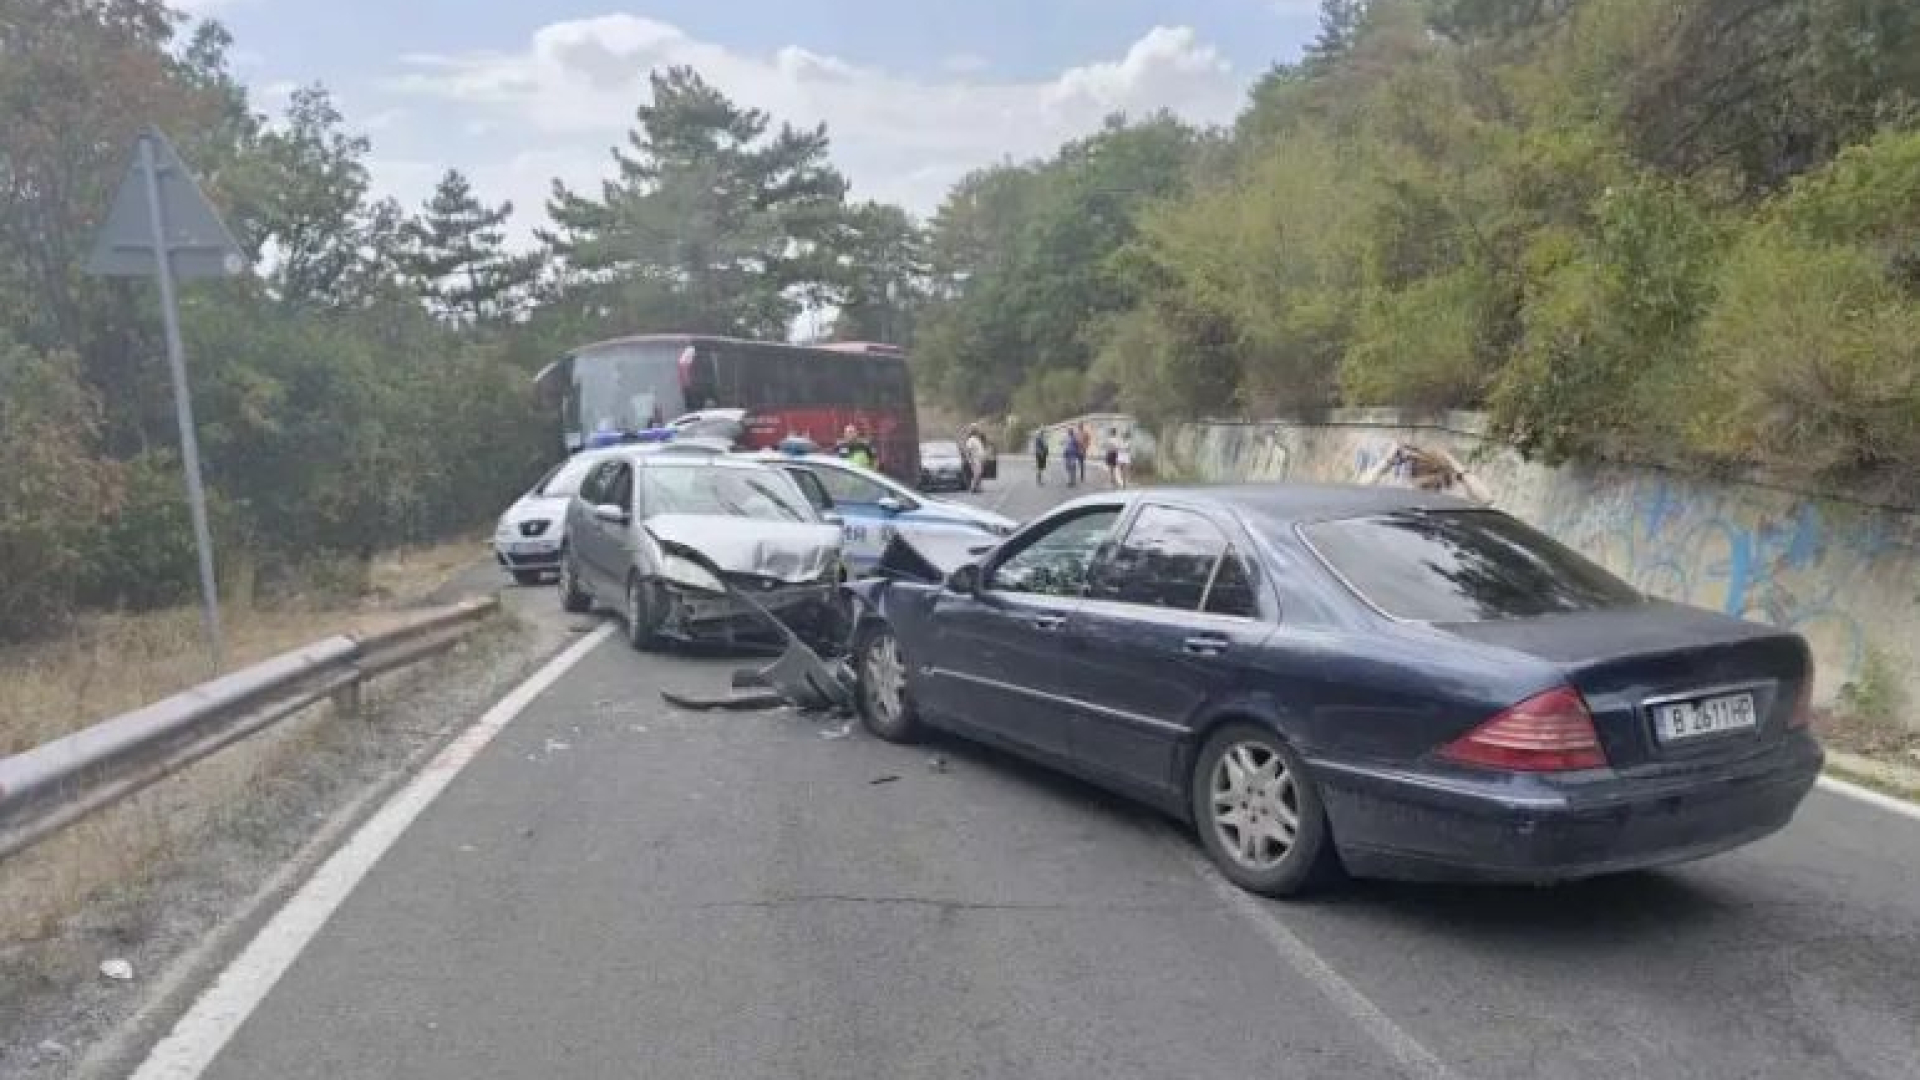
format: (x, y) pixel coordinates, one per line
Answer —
(198, 240)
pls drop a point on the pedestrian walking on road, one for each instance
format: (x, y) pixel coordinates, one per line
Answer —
(1123, 459)
(1040, 457)
(1112, 449)
(1075, 456)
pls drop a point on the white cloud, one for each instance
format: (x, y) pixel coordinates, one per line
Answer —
(570, 93)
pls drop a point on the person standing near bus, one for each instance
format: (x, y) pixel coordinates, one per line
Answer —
(1040, 456)
(855, 448)
(1123, 458)
(974, 452)
(1112, 455)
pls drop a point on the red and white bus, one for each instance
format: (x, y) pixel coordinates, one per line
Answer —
(634, 384)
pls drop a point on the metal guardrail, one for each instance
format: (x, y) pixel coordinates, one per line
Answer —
(51, 786)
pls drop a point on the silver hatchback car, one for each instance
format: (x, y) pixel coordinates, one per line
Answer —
(670, 540)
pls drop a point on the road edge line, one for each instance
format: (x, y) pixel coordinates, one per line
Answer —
(1408, 1052)
(217, 1014)
(1859, 793)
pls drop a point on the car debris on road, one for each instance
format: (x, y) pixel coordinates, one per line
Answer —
(799, 676)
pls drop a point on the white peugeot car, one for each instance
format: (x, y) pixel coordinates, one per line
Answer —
(531, 534)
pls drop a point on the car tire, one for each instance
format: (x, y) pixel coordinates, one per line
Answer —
(1259, 813)
(886, 709)
(529, 577)
(572, 597)
(643, 616)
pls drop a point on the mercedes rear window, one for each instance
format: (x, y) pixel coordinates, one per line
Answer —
(1462, 566)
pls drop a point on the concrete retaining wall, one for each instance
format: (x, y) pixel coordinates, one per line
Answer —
(1846, 576)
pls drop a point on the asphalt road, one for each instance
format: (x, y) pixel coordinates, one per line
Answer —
(615, 888)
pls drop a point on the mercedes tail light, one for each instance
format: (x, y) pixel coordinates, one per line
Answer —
(1802, 714)
(1550, 732)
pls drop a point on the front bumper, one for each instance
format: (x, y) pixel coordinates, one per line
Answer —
(528, 558)
(812, 612)
(1454, 825)
(942, 480)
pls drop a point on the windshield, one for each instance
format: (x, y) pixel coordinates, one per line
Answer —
(762, 494)
(1462, 566)
(625, 387)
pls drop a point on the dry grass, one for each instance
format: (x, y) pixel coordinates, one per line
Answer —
(106, 664)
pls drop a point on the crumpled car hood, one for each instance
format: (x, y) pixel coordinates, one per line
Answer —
(928, 558)
(789, 551)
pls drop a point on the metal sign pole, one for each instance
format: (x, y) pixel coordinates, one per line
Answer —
(183, 409)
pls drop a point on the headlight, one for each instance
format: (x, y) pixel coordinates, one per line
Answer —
(689, 574)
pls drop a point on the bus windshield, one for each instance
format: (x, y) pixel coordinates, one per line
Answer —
(624, 387)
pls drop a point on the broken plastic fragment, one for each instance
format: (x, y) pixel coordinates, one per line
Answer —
(116, 969)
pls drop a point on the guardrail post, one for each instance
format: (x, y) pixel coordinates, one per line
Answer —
(350, 699)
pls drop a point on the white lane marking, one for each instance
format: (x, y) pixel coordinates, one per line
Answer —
(1413, 1058)
(218, 1013)
(1869, 796)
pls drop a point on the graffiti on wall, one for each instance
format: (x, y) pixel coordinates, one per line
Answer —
(1846, 577)
(1786, 562)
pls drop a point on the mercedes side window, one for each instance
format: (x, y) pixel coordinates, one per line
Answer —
(1055, 563)
(1174, 559)
(1231, 592)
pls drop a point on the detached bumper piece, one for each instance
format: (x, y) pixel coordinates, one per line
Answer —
(789, 615)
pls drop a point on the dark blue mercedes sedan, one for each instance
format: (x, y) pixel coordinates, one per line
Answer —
(1392, 682)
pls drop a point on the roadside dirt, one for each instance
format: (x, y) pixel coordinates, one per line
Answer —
(276, 793)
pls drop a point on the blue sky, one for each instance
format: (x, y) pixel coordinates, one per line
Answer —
(914, 93)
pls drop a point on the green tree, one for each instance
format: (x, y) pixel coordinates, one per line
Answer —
(880, 276)
(1021, 261)
(713, 221)
(455, 256)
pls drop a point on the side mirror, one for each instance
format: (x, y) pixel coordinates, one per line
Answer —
(890, 504)
(611, 513)
(965, 579)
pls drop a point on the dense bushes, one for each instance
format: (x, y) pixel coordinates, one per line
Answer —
(347, 401)
(1688, 232)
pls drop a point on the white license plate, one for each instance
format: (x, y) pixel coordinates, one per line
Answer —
(526, 549)
(1682, 720)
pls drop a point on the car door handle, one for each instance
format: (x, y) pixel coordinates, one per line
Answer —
(1049, 622)
(1205, 645)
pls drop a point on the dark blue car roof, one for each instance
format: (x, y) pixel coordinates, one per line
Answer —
(1311, 502)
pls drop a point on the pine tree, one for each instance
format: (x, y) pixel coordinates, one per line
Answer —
(455, 255)
(715, 223)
